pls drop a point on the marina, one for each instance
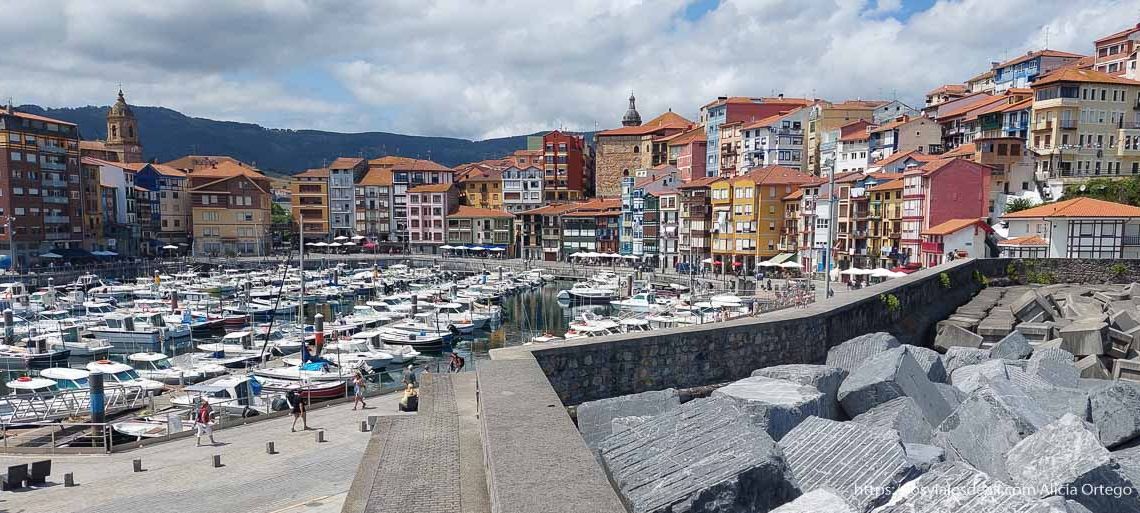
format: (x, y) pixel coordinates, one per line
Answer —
(241, 339)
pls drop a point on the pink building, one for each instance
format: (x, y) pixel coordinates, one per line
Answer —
(428, 206)
(940, 191)
(687, 152)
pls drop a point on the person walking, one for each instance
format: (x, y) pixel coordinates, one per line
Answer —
(203, 422)
(410, 377)
(358, 391)
(298, 406)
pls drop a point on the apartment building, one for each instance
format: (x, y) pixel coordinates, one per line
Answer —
(484, 227)
(668, 219)
(638, 210)
(1085, 123)
(738, 109)
(568, 167)
(824, 117)
(1116, 53)
(956, 238)
(522, 188)
(776, 141)
(1074, 228)
(1023, 70)
(944, 94)
(541, 231)
(687, 152)
(694, 242)
(231, 210)
(407, 173)
(886, 214)
(731, 148)
(40, 176)
(938, 191)
(108, 205)
(852, 149)
(428, 207)
(374, 206)
(591, 226)
(172, 213)
(858, 239)
(904, 133)
(480, 186)
(343, 174)
(309, 196)
(748, 215)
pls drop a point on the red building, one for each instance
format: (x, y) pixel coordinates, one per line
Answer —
(940, 191)
(687, 153)
(568, 167)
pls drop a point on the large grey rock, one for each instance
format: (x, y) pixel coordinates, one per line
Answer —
(823, 378)
(1035, 331)
(891, 374)
(862, 464)
(902, 415)
(988, 423)
(957, 357)
(775, 405)
(951, 394)
(623, 424)
(955, 487)
(1063, 457)
(1013, 347)
(705, 455)
(924, 456)
(1129, 461)
(930, 361)
(1090, 367)
(1084, 337)
(953, 336)
(969, 378)
(1115, 409)
(1054, 366)
(851, 354)
(820, 500)
(1051, 353)
(1120, 343)
(595, 418)
(1125, 320)
(1126, 370)
(1057, 402)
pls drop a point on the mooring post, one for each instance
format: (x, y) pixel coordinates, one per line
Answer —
(137, 464)
(68, 480)
(217, 460)
(364, 426)
(320, 436)
(269, 448)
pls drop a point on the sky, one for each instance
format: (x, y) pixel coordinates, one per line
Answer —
(479, 69)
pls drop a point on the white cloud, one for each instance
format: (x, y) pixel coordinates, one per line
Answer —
(489, 69)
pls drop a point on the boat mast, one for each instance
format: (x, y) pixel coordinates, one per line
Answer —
(301, 252)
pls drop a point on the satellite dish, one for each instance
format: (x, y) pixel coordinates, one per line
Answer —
(1082, 187)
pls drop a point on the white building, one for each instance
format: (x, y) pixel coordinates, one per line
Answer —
(522, 189)
(956, 238)
(342, 195)
(775, 141)
(1076, 228)
(852, 150)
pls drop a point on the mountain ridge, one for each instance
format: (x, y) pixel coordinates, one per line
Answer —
(167, 134)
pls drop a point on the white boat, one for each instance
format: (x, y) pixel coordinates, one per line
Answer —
(128, 335)
(121, 374)
(150, 427)
(229, 393)
(400, 353)
(41, 387)
(431, 320)
(544, 338)
(640, 302)
(634, 325)
(67, 378)
(421, 341)
(584, 292)
(350, 353)
(81, 347)
(158, 367)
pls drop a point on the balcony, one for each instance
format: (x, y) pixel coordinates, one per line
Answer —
(1130, 240)
(51, 148)
(932, 247)
(1068, 124)
(1043, 125)
(54, 166)
(56, 199)
(57, 219)
(55, 236)
(54, 183)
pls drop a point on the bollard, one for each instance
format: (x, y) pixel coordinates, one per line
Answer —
(320, 435)
(68, 480)
(269, 448)
(217, 460)
(137, 463)
(364, 426)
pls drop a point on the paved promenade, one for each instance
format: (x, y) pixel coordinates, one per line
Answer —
(304, 475)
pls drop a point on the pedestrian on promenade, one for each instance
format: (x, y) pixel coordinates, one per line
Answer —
(204, 423)
(410, 377)
(298, 406)
(358, 391)
(453, 363)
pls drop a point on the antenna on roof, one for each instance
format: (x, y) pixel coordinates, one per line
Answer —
(1046, 36)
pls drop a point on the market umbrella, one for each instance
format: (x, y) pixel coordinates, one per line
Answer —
(357, 237)
(768, 263)
(369, 245)
(170, 246)
(631, 257)
(333, 245)
(790, 265)
(476, 248)
(880, 273)
(707, 261)
(110, 253)
(320, 244)
(446, 246)
(51, 255)
(577, 254)
(342, 237)
(855, 271)
(349, 244)
(496, 249)
(897, 274)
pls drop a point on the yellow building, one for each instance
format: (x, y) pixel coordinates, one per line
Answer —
(748, 216)
(885, 212)
(481, 186)
(310, 201)
(231, 205)
(826, 116)
(1085, 123)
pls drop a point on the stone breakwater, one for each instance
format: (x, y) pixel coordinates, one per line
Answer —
(887, 427)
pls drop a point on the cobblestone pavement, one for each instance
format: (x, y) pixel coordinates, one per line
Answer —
(303, 476)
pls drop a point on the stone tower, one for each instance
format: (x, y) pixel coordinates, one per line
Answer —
(123, 131)
(631, 117)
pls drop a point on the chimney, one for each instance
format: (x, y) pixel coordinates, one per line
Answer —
(781, 96)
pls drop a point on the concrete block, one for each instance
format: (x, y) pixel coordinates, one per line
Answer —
(1024, 380)
(1092, 368)
(887, 376)
(953, 336)
(823, 378)
(930, 361)
(1012, 347)
(1126, 370)
(823, 454)
(1035, 331)
(901, 415)
(993, 329)
(955, 487)
(775, 405)
(1051, 353)
(595, 417)
(1129, 461)
(988, 423)
(1115, 409)
(923, 456)
(1055, 343)
(820, 500)
(851, 354)
(1125, 319)
(699, 456)
(1064, 456)
(957, 357)
(1025, 307)
(1083, 337)
(1120, 343)
(969, 378)
(961, 321)
(1054, 366)
(623, 424)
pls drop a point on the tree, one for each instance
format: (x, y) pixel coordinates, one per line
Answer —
(1018, 204)
(280, 215)
(1125, 190)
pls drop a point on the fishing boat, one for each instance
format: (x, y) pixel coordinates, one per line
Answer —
(158, 367)
(82, 348)
(640, 302)
(400, 353)
(67, 378)
(32, 358)
(232, 393)
(128, 335)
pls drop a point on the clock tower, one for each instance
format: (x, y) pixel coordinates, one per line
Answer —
(123, 131)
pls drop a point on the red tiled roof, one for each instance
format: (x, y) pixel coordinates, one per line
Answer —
(892, 185)
(686, 137)
(466, 211)
(345, 163)
(982, 76)
(161, 169)
(854, 131)
(966, 108)
(480, 174)
(902, 155)
(933, 166)
(226, 169)
(703, 181)
(1025, 240)
(431, 187)
(555, 209)
(962, 150)
(1039, 53)
(320, 172)
(34, 117)
(667, 120)
(376, 176)
(796, 194)
(1082, 75)
(775, 175)
(948, 88)
(1077, 207)
(894, 123)
(1023, 104)
(407, 164)
(195, 162)
(955, 225)
(1122, 33)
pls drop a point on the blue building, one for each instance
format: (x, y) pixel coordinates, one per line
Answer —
(1019, 72)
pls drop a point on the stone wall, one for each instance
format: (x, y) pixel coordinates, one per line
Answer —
(1060, 270)
(701, 355)
(614, 157)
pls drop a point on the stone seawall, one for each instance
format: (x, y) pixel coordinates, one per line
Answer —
(1060, 270)
(700, 355)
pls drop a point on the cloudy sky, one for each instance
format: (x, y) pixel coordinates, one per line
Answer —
(489, 68)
